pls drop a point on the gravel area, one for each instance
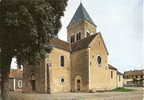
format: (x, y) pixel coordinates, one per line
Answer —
(133, 95)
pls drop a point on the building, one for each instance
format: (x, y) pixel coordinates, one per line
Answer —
(120, 79)
(134, 78)
(116, 79)
(15, 80)
(81, 64)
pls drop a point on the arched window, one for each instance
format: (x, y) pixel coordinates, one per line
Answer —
(72, 39)
(62, 80)
(111, 74)
(99, 59)
(78, 36)
(62, 60)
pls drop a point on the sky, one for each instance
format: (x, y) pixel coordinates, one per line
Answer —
(121, 24)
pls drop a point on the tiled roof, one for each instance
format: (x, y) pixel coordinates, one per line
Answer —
(60, 44)
(84, 43)
(135, 72)
(81, 44)
(81, 14)
(119, 73)
(112, 67)
(16, 73)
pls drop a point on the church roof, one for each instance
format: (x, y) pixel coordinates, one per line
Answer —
(84, 43)
(112, 67)
(81, 44)
(81, 14)
(119, 73)
(60, 44)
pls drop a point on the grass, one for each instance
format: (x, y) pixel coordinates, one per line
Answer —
(122, 90)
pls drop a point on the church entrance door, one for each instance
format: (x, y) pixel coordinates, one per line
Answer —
(78, 83)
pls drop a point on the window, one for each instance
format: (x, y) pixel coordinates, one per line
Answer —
(62, 61)
(78, 81)
(99, 60)
(78, 36)
(62, 80)
(19, 83)
(111, 74)
(72, 39)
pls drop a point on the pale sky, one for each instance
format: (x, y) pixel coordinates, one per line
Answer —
(120, 22)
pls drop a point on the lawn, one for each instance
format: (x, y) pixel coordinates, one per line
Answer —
(122, 90)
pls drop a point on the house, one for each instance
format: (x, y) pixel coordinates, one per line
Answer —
(15, 80)
(78, 65)
(116, 77)
(134, 78)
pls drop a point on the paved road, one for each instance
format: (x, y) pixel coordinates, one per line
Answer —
(134, 95)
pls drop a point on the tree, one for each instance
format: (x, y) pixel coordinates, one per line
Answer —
(26, 26)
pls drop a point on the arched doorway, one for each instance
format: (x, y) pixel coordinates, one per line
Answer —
(78, 83)
(33, 82)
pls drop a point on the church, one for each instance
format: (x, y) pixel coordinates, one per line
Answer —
(79, 65)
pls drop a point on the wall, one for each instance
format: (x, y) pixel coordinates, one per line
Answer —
(56, 72)
(112, 80)
(39, 76)
(119, 80)
(79, 63)
(81, 26)
(99, 74)
(14, 84)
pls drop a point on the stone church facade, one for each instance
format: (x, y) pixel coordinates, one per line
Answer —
(81, 64)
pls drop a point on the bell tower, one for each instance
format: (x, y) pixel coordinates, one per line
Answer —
(81, 25)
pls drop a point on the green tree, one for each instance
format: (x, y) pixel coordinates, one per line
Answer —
(26, 26)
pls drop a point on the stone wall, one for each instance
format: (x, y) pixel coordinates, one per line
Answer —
(119, 80)
(38, 75)
(81, 26)
(79, 63)
(57, 72)
(98, 73)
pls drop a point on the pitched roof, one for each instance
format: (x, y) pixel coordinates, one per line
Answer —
(60, 44)
(104, 43)
(119, 73)
(134, 72)
(81, 14)
(84, 43)
(16, 73)
(112, 67)
(81, 44)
